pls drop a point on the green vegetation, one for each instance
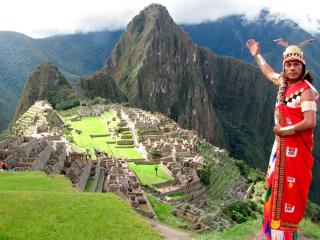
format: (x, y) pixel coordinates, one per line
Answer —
(313, 212)
(163, 213)
(105, 126)
(69, 112)
(89, 185)
(62, 97)
(310, 229)
(218, 172)
(243, 211)
(251, 228)
(238, 232)
(103, 85)
(33, 181)
(47, 82)
(147, 174)
(155, 154)
(33, 207)
(178, 195)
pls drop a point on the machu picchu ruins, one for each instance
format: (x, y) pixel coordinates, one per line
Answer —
(44, 141)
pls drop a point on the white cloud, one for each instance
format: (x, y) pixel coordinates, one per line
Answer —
(44, 18)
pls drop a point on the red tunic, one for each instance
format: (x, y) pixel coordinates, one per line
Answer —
(290, 170)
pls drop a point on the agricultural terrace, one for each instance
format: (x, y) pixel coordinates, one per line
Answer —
(163, 211)
(37, 206)
(104, 128)
(147, 174)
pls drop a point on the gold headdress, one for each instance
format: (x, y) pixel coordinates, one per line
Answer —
(293, 52)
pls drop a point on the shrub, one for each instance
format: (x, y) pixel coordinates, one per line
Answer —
(243, 211)
(313, 212)
(155, 154)
(204, 174)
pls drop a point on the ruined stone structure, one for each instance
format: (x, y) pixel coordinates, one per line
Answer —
(28, 153)
(37, 119)
(87, 109)
(177, 149)
(177, 156)
(79, 170)
(122, 181)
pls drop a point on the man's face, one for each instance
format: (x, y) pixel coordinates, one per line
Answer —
(293, 69)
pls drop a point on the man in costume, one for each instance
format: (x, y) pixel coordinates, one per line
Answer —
(290, 167)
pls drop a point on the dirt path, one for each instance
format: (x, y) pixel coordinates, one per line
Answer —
(169, 233)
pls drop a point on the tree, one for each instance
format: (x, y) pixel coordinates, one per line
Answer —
(155, 154)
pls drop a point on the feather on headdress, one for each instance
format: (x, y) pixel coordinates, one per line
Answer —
(293, 52)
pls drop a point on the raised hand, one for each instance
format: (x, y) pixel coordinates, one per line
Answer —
(253, 47)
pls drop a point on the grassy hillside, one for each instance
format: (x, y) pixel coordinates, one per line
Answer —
(35, 206)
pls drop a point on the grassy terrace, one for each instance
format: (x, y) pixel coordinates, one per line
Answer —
(163, 211)
(99, 126)
(35, 206)
(147, 174)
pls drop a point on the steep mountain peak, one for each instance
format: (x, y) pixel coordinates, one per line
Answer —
(156, 65)
(153, 16)
(49, 75)
(46, 82)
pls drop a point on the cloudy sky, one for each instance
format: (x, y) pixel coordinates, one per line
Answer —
(46, 18)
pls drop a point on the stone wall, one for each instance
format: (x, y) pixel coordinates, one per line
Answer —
(99, 173)
(25, 148)
(54, 119)
(42, 158)
(84, 176)
(79, 170)
(164, 167)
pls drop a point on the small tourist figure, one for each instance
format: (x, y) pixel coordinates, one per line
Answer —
(156, 169)
(4, 165)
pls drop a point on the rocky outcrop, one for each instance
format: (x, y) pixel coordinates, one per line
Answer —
(46, 82)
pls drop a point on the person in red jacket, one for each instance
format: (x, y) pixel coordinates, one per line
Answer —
(4, 165)
(290, 167)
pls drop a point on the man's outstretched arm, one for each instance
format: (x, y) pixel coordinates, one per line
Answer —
(266, 69)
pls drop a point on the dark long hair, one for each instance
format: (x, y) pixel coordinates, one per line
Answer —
(306, 74)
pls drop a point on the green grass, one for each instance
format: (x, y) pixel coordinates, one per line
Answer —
(310, 229)
(31, 211)
(249, 229)
(163, 213)
(98, 125)
(237, 232)
(147, 174)
(69, 113)
(33, 181)
(178, 195)
(88, 187)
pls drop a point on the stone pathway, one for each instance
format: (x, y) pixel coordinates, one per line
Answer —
(167, 232)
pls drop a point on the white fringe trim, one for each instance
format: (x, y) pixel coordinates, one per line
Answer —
(277, 234)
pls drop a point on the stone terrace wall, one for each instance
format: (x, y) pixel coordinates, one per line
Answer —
(54, 119)
(79, 170)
